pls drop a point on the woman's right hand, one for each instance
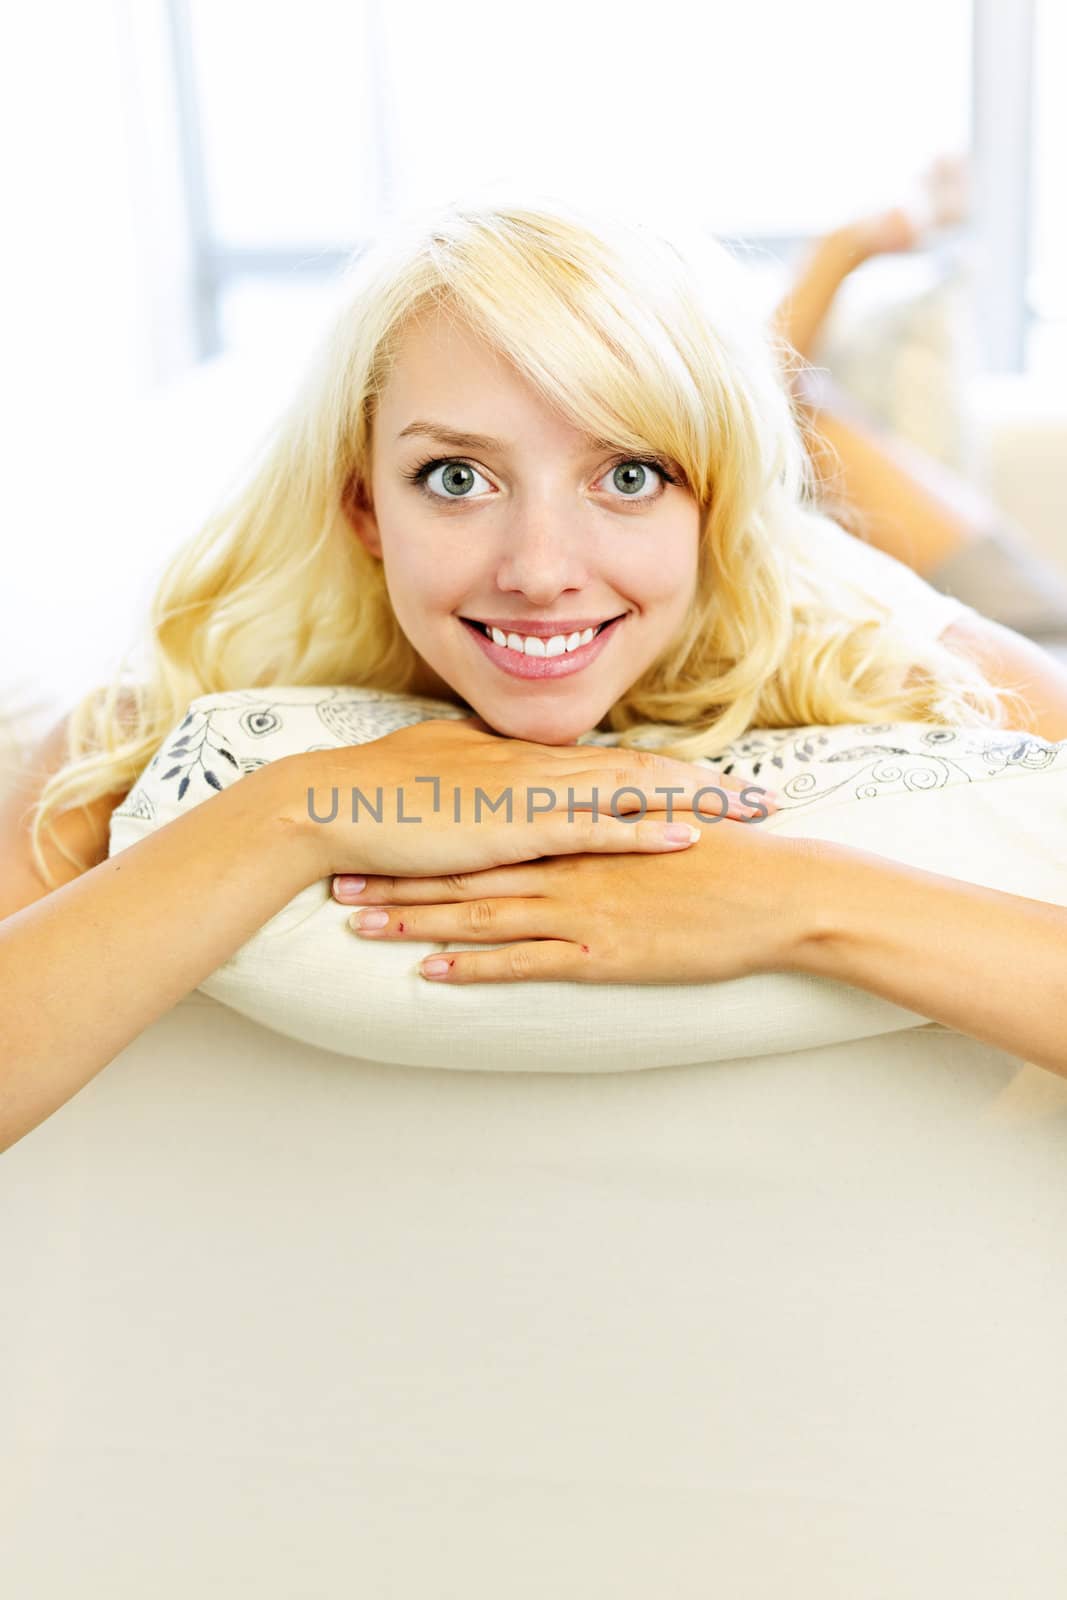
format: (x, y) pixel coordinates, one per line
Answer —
(415, 838)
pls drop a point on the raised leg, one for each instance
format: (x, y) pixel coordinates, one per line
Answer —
(887, 490)
(884, 488)
(925, 515)
(939, 201)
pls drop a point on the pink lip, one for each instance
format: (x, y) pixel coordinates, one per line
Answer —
(523, 666)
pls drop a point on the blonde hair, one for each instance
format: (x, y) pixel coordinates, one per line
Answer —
(636, 334)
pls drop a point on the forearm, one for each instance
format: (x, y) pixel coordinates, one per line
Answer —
(989, 964)
(87, 968)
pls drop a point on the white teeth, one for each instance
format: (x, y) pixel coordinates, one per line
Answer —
(531, 646)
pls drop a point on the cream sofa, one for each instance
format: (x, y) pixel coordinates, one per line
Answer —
(281, 1321)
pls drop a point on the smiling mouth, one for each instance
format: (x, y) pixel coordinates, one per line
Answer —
(484, 627)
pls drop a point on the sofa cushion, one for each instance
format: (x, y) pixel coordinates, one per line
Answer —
(988, 806)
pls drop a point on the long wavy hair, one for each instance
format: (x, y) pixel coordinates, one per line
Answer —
(639, 333)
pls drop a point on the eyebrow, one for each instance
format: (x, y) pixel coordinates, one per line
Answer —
(480, 441)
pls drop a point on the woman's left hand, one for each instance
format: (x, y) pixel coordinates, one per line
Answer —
(735, 902)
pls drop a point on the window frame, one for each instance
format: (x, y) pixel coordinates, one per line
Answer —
(1003, 38)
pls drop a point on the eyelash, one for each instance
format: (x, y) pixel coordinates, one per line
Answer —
(419, 474)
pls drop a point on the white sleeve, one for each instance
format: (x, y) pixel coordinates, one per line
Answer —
(923, 609)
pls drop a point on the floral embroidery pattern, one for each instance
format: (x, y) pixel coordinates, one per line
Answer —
(804, 765)
(224, 736)
(190, 750)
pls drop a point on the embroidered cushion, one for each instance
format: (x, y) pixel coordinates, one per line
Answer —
(982, 805)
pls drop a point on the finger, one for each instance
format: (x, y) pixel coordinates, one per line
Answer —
(755, 792)
(469, 921)
(738, 799)
(758, 797)
(653, 782)
(717, 801)
(524, 878)
(560, 834)
(540, 962)
(710, 805)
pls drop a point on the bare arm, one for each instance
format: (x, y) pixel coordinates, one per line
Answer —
(87, 967)
(990, 964)
(1015, 662)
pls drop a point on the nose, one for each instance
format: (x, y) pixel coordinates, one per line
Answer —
(545, 553)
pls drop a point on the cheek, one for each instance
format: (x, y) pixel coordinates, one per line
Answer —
(409, 555)
(423, 583)
(666, 574)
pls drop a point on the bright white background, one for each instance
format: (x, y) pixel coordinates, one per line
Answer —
(182, 176)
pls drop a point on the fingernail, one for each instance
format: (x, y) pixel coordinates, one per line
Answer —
(368, 919)
(435, 967)
(680, 833)
(344, 886)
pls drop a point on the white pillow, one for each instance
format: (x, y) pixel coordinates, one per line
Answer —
(983, 805)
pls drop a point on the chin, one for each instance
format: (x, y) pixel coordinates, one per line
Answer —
(539, 726)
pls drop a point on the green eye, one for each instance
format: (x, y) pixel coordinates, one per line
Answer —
(458, 476)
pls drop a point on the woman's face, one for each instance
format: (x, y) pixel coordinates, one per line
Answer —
(537, 532)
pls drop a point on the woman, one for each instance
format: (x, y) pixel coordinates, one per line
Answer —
(637, 494)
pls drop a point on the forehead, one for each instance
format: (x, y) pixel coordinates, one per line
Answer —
(450, 383)
(448, 386)
(445, 370)
(437, 348)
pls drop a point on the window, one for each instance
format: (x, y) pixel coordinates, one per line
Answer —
(1047, 282)
(768, 121)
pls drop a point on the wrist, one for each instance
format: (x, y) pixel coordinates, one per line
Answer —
(828, 881)
(282, 788)
(861, 915)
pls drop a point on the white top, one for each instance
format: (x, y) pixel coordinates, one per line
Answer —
(915, 602)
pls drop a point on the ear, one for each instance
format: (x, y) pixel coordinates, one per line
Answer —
(361, 518)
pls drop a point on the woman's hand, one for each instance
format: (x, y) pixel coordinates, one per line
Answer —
(446, 796)
(739, 901)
